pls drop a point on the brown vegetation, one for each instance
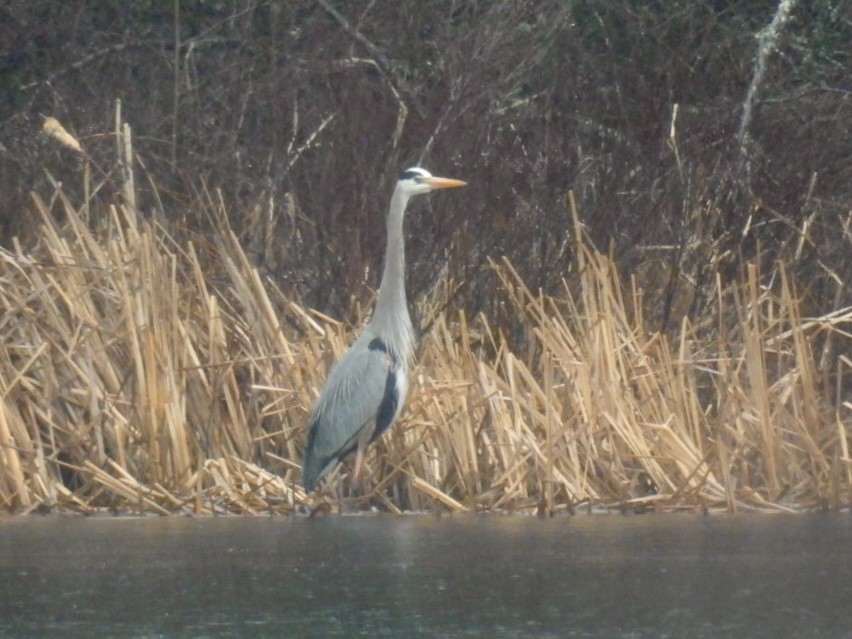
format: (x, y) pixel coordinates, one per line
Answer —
(149, 371)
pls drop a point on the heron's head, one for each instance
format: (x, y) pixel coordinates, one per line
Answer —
(417, 180)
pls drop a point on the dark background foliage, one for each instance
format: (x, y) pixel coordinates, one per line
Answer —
(303, 113)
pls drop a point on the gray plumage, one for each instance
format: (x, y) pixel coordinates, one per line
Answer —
(366, 388)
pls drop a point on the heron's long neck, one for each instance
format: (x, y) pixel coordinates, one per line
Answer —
(391, 319)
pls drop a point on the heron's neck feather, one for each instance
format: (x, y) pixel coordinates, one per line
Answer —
(391, 320)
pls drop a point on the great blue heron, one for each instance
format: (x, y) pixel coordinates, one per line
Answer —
(366, 388)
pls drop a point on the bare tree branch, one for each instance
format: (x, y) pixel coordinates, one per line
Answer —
(400, 86)
(766, 38)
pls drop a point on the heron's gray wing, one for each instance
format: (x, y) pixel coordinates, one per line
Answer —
(358, 391)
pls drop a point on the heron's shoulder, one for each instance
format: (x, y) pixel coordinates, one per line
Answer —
(356, 380)
(368, 355)
(396, 345)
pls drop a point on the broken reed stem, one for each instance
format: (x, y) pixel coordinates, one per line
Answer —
(140, 375)
(548, 393)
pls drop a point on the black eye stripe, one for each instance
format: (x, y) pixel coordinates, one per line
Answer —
(410, 175)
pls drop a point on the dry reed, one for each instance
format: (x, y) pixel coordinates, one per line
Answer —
(143, 374)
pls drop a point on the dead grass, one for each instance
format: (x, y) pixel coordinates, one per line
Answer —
(141, 373)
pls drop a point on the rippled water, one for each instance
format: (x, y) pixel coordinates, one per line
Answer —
(489, 576)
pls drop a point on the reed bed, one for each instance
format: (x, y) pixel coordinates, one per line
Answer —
(148, 371)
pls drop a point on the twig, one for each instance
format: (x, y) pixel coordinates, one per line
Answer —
(380, 58)
(176, 83)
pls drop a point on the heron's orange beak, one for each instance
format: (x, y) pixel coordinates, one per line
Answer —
(443, 183)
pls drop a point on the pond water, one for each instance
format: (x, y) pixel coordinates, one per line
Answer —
(419, 576)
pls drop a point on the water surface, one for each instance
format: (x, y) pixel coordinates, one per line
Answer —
(472, 576)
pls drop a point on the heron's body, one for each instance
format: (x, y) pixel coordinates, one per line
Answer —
(366, 388)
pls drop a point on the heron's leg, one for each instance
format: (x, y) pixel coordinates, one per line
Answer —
(363, 440)
(359, 455)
